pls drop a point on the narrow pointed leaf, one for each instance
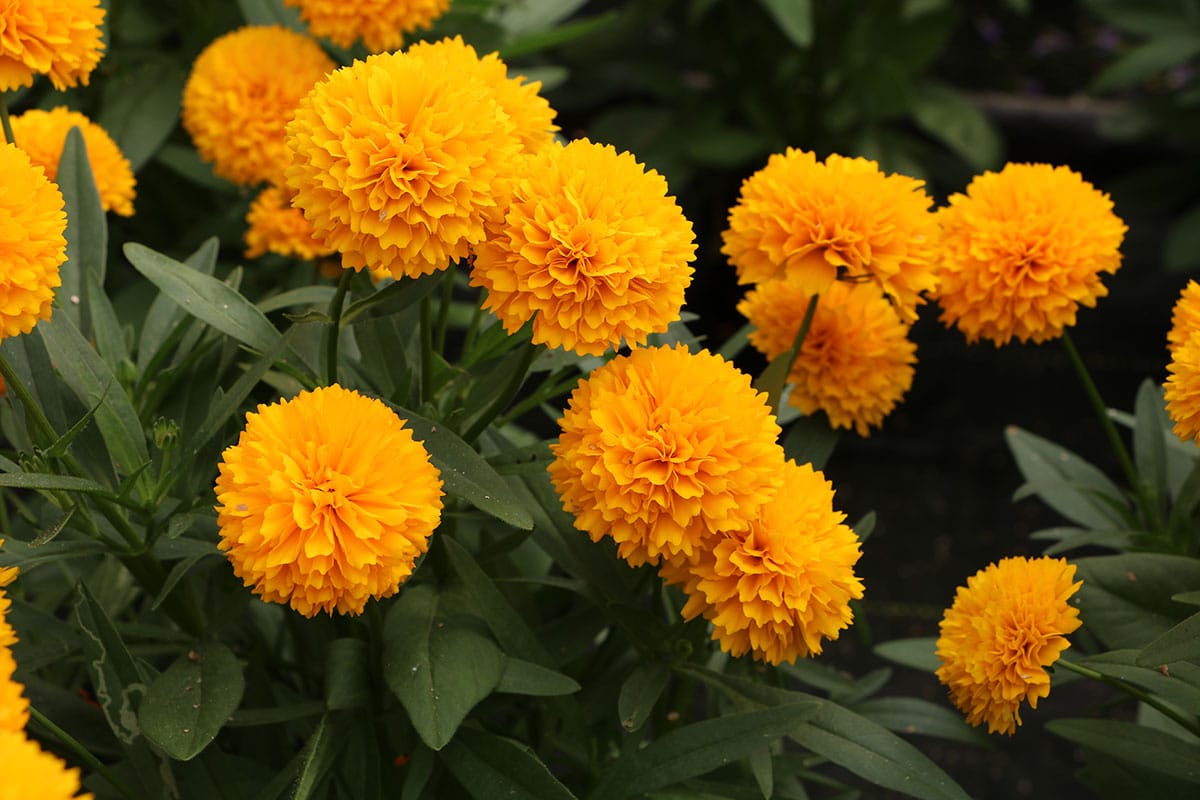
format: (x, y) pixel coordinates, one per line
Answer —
(492, 766)
(87, 229)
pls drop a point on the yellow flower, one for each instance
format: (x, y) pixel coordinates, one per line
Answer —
(32, 242)
(1183, 388)
(662, 447)
(242, 91)
(381, 24)
(856, 360)
(31, 772)
(592, 248)
(819, 221)
(276, 227)
(396, 160)
(1185, 316)
(1006, 626)
(326, 501)
(1022, 250)
(42, 135)
(58, 38)
(779, 587)
(14, 708)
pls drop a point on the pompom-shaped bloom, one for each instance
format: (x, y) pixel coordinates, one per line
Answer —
(1185, 316)
(396, 161)
(326, 501)
(1183, 388)
(42, 135)
(381, 24)
(241, 93)
(58, 38)
(856, 361)
(1022, 250)
(274, 226)
(785, 583)
(31, 772)
(14, 708)
(662, 447)
(591, 244)
(817, 221)
(1005, 627)
(32, 242)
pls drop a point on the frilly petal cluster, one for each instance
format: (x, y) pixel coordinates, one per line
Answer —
(14, 708)
(326, 501)
(397, 160)
(381, 24)
(1005, 627)
(1022, 250)
(1185, 316)
(662, 448)
(842, 218)
(32, 242)
(240, 95)
(42, 135)
(592, 248)
(275, 226)
(856, 361)
(31, 772)
(57, 38)
(1183, 388)
(782, 585)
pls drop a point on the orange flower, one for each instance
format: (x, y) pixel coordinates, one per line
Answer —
(274, 226)
(14, 708)
(1022, 250)
(1183, 388)
(31, 772)
(58, 38)
(32, 242)
(326, 501)
(381, 24)
(1185, 316)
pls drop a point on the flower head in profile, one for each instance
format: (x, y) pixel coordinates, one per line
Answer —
(274, 226)
(57, 38)
(661, 448)
(591, 248)
(32, 242)
(782, 585)
(856, 362)
(1022, 250)
(326, 501)
(42, 134)
(31, 772)
(14, 708)
(1005, 627)
(381, 24)
(817, 221)
(1183, 388)
(240, 95)
(1185, 316)
(397, 161)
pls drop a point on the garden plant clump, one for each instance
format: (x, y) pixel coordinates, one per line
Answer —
(360, 439)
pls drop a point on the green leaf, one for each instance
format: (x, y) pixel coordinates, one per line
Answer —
(490, 766)
(947, 115)
(318, 758)
(271, 12)
(391, 299)
(141, 108)
(640, 693)
(811, 440)
(303, 296)
(101, 320)
(273, 715)
(347, 675)
(1149, 447)
(772, 379)
(180, 570)
(439, 666)
(50, 483)
(1064, 481)
(1146, 60)
(555, 37)
(164, 313)
(186, 706)
(525, 677)
(1136, 744)
(1180, 643)
(911, 715)
(1125, 599)
(87, 229)
(116, 680)
(918, 653)
(794, 17)
(1178, 685)
(20, 554)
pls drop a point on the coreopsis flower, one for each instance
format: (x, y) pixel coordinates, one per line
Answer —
(275, 226)
(397, 161)
(42, 135)
(381, 24)
(32, 242)
(1005, 627)
(57, 38)
(781, 586)
(591, 248)
(661, 448)
(1185, 316)
(1022, 250)
(842, 218)
(240, 95)
(14, 708)
(1183, 388)
(31, 772)
(856, 361)
(326, 501)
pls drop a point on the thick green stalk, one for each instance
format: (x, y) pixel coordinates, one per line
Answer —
(83, 753)
(5, 122)
(505, 395)
(335, 327)
(426, 350)
(1188, 723)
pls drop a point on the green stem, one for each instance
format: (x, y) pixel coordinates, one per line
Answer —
(443, 319)
(426, 350)
(1188, 723)
(5, 122)
(82, 752)
(774, 377)
(335, 327)
(505, 396)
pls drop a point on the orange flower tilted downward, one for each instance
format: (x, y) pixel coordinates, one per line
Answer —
(57, 38)
(42, 135)
(661, 448)
(856, 362)
(32, 242)
(274, 226)
(397, 160)
(592, 248)
(1005, 627)
(326, 501)
(241, 93)
(1022, 250)
(818, 221)
(381, 24)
